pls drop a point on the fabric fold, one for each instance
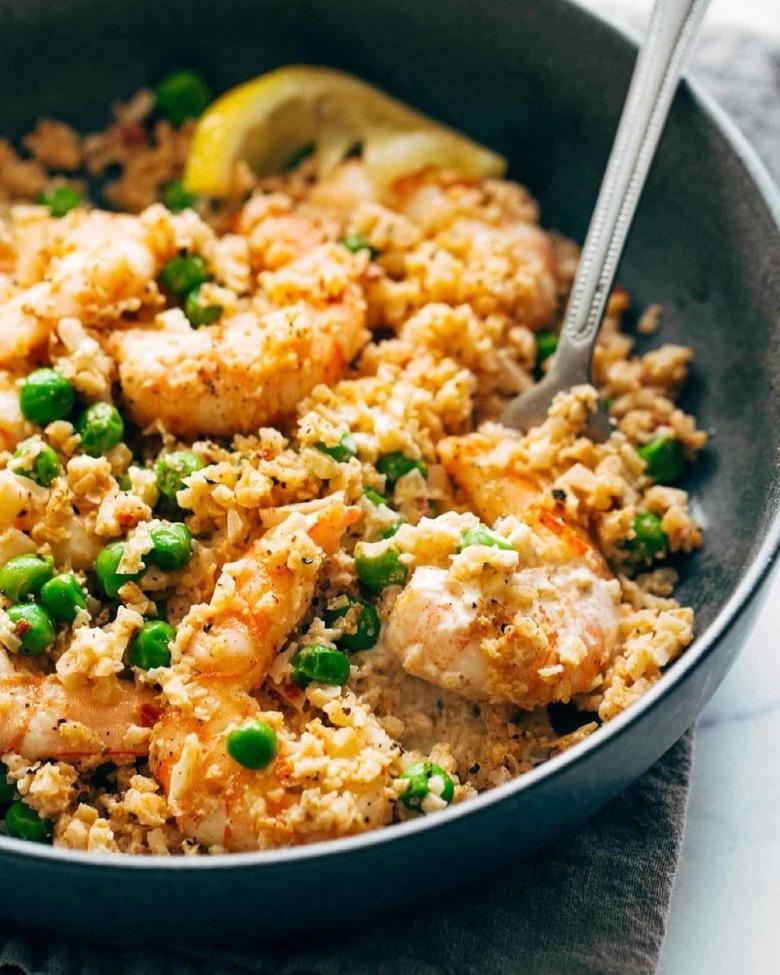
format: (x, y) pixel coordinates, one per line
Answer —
(594, 903)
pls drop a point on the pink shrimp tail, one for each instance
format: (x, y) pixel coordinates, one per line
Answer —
(331, 523)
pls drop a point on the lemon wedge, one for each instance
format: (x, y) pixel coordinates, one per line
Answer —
(267, 120)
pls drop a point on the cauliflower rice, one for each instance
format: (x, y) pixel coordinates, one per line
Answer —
(342, 410)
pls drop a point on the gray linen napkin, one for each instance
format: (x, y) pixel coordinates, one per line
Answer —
(594, 903)
(740, 68)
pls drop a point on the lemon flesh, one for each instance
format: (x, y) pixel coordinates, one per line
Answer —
(267, 120)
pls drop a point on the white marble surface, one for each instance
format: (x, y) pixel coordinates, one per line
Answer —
(761, 16)
(725, 911)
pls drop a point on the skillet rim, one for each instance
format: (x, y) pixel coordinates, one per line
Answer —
(748, 587)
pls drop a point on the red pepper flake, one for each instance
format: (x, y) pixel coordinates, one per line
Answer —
(22, 626)
(127, 519)
(132, 133)
(149, 713)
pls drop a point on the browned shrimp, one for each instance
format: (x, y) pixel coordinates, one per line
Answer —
(41, 718)
(496, 628)
(254, 368)
(342, 764)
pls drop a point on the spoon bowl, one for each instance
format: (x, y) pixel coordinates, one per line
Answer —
(672, 29)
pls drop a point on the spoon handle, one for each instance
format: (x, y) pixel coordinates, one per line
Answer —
(673, 26)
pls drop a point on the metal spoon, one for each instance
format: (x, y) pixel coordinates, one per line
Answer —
(673, 26)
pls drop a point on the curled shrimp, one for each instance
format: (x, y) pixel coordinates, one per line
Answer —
(484, 470)
(100, 266)
(328, 778)
(262, 596)
(510, 264)
(544, 634)
(255, 367)
(42, 719)
(529, 623)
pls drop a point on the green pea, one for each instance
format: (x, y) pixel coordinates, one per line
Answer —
(650, 538)
(380, 570)
(182, 95)
(23, 576)
(25, 824)
(63, 596)
(33, 626)
(253, 745)
(342, 451)
(171, 471)
(184, 273)
(321, 664)
(664, 458)
(299, 156)
(60, 199)
(172, 547)
(150, 647)
(45, 466)
(198, 312)
(366, 627)
(106, 565)
(357, 242)
(101, 428)
(125, 482)
(423, 778)
(546, 345)
(482, 535)
(396, 464)
(374, 496)
(176, 198)
(46, 396)
(7, 789)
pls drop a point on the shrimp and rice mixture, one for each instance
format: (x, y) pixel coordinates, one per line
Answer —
(273, 572)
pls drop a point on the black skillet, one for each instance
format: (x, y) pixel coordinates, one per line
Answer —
(543, 83)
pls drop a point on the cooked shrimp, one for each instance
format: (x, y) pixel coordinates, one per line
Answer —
(40, 718)
(494, 629)
(101, 266)
(541, 634)
(495, 477)
(485, 470)
(251, 369)
(277, 234)
(261, 597)
(322, 777)
(499, 261)
(48, 515)
(328, 779)
(13, 426)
